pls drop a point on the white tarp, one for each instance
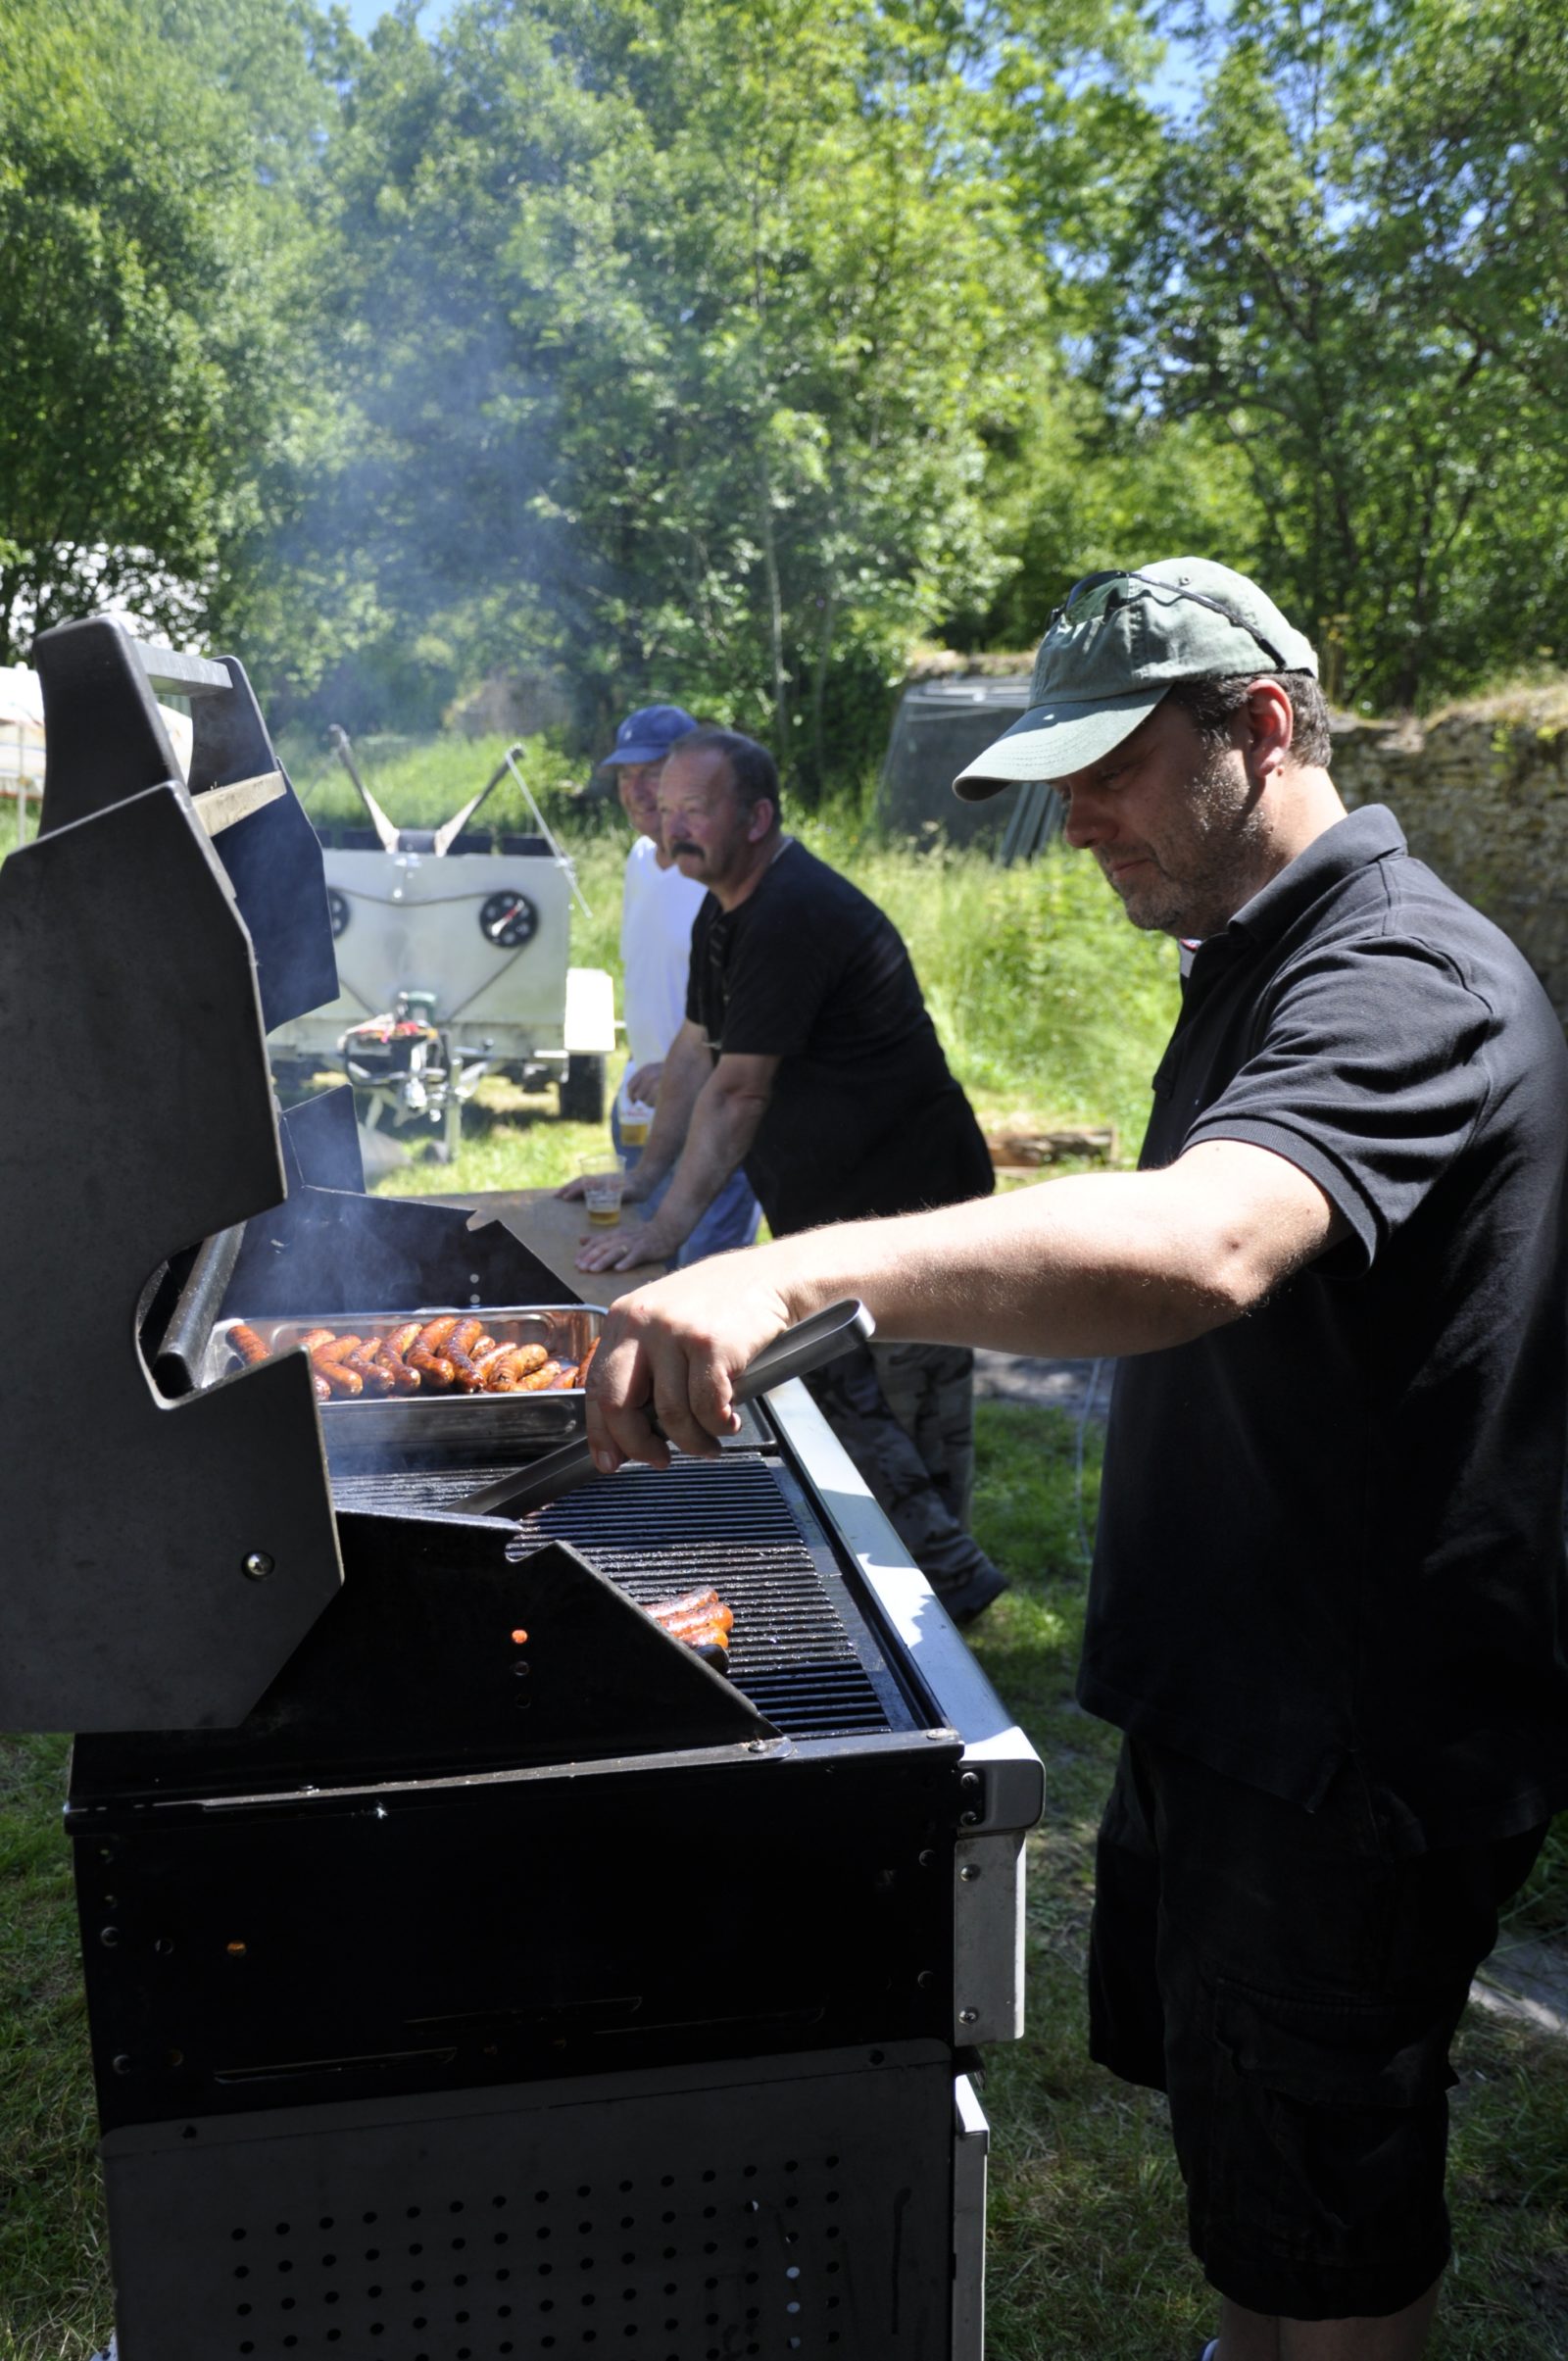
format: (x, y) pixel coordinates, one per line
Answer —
(22, 729)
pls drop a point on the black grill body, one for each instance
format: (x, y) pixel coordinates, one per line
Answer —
(774, 2209)
(269, 1920)
(425, 1882)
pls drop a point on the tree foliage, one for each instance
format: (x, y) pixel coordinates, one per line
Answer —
(1353, 268)
(690, 331)
(145, 155)
(678, 347)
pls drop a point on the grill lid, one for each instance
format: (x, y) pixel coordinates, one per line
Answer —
(440, 1655)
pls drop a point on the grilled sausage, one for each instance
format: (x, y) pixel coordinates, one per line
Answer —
(565, 1381)
(336, 1346)
(706, 1619)
(404, 1379)
(539, 1381)
(434, 1372)
(248, 1345)
(434, 1336)
(367, 1364)
(587, 1362)
(687, 1604)
(506, 1370)
(326, 1359)
(459, 1349)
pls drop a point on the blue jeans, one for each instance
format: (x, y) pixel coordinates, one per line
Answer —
(730, 1220)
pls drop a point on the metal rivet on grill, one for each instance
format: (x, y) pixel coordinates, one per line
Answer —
(109, 1937)
(121, 2064)
(925, 1979)
(258, 1565)
(928, 1860)
(968, 2016)
(968, 1873)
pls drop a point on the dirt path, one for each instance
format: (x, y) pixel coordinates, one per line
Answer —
(1068, 1386)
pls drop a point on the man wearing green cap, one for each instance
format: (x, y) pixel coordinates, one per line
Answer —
(1328, 1607)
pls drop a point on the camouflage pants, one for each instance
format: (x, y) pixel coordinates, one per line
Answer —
(905, 1415)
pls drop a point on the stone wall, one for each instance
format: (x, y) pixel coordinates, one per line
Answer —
(1481, 794)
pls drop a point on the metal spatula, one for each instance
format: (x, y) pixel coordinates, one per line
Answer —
(806, 1346)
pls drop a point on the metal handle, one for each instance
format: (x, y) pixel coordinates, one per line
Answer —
(178, 1365)
(805, 1346)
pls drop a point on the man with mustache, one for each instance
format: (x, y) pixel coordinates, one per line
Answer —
(807, 1059)
(1328, 1607)
(657, 907)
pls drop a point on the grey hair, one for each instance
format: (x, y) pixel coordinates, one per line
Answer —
(753, 772)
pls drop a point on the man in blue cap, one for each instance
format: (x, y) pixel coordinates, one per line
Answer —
(657, 907)
(1328, 1607)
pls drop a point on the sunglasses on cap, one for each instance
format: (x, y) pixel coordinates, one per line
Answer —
(1101, 594)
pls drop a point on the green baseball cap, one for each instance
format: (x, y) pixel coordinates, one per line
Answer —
(1111, 650)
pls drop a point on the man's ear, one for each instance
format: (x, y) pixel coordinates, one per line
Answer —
(763, 813)
(1270, 728)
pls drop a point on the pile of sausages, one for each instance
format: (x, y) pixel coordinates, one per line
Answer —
(700, 1618)
(445, 1355)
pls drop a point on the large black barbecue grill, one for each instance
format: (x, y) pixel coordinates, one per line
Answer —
(471, 1969)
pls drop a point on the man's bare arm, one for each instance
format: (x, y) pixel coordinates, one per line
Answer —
(723, 1124)
(686, 1068)
(1099, 1264)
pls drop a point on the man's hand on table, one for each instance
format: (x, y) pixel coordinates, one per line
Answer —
(674, 1348)
(649, 1242)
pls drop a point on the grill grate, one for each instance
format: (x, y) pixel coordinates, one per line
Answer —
(728, 1523)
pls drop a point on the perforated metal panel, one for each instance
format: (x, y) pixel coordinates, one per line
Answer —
(806, 2209)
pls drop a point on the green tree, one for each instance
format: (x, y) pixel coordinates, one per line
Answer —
(685, 337)
(1352, 270)
(149, 156)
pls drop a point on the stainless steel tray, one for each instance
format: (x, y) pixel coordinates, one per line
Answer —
(444, 1426)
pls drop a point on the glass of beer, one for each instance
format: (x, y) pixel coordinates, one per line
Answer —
(634, 1124)
(602, 1197)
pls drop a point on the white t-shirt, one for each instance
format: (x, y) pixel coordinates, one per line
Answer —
(656, 912)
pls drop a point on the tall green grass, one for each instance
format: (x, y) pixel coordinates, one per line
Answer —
(1046, 1001)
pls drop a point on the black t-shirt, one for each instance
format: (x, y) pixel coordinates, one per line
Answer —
(1332, 1531)
(864, 1116)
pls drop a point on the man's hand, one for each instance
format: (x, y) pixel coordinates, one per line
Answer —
(673, 1350)
(632, 1189)
(642, 1085)
(648, 1243)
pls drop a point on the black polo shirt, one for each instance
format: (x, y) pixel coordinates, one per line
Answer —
(1333, 1529)
(864, 1116)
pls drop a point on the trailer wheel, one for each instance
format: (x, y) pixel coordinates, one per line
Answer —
(582, 1091)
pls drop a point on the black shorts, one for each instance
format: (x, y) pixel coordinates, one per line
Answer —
(1294, 1994)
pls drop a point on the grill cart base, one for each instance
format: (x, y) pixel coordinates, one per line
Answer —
(766, 2208)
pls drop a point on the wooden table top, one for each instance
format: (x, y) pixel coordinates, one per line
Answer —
(552, 1228)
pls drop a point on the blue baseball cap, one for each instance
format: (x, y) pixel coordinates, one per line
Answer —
(648, 735)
